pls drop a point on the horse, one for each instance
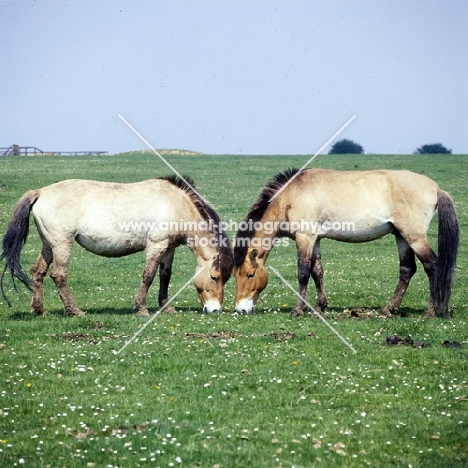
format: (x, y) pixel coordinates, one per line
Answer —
(347, 206)
(114, 220)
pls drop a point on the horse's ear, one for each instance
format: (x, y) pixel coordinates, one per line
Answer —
(253, 255)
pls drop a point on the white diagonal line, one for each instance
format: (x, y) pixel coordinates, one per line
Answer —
(167, 163)
(313, 157)
(313, 309)
(160, 310)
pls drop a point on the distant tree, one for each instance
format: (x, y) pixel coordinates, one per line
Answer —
(346, 147)
(433, 148)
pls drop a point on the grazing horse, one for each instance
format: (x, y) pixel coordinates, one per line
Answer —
(113, 220)
(353, 206)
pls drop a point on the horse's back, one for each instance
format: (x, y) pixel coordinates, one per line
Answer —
(72, 200)
(374, 201)
(390, 185)
(75, 197)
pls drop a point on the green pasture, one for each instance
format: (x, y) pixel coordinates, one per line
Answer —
(223, 390)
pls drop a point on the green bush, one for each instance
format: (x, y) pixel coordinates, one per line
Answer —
(433, 148)
(346, 147)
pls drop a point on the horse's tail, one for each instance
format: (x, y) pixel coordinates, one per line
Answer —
(449, 238)
(14, 239)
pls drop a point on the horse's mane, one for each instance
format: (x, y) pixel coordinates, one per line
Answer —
(258, 210)
(209, 214)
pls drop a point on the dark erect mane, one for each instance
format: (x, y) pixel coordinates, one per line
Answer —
(209, 215)
(258, 210)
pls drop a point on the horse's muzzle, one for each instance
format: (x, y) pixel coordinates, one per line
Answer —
(211, 307)
(245, 306)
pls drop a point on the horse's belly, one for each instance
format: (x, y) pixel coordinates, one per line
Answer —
(117, 246)
(352, 232)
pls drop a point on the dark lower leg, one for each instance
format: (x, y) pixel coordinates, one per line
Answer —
(429, 267)
(38, 271)
(407, 270)
(140, 300)
(152, 262)
(303, 273)
(428, 258)
(317, 276)
(165, 271)
(305, 249)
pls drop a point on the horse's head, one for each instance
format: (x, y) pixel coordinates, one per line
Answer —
(251, 279)
(210, 284)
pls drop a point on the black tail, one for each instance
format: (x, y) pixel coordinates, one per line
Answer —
(14, 240)
(449, 238)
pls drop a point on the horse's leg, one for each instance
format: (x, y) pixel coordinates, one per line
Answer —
(317, 276)
(305, 246)
(59, 273)
(38, 271)
(428, 258)
(165, 271)
(407, 270)
(153, 257)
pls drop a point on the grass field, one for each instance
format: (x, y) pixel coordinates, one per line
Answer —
(224, 390)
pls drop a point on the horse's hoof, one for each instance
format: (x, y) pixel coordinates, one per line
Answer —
(386, 312)
(169, 310)
(429, 314)
(76, 313)
(39, 313)
(297, 312)
(321, 306)
(143, 313)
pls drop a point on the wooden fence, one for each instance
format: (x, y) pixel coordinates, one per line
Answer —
(15, 150)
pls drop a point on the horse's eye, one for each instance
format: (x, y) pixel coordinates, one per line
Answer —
(251, 275)
(214, 278)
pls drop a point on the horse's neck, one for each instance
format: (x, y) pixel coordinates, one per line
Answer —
(203, 245)
(264, 237)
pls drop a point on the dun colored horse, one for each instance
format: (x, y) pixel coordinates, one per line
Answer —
(113, 220)
(354, 206)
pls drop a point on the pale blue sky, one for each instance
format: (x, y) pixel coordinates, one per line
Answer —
(238, 77)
